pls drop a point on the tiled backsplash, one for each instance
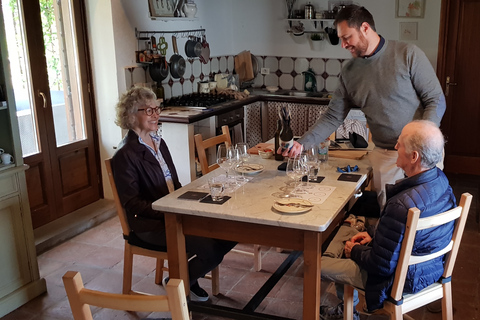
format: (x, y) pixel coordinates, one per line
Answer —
(285, 72)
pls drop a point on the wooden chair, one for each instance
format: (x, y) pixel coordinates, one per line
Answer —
(81, 298)
(398, 304)
(202, 145)
(134, 245)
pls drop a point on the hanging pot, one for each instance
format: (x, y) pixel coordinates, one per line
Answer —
(193, 48)
(177, 63)
(159, 69)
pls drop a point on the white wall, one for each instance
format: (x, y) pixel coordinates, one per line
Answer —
(231, 27)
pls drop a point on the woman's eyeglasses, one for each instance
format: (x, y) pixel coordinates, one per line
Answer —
(149, 111)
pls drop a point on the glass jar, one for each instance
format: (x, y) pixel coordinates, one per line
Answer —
(309, 11)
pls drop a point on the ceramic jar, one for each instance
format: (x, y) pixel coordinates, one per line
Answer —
(190, 9)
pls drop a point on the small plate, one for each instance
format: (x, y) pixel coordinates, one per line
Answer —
(271, 89)
(287, 205)
(250, 168)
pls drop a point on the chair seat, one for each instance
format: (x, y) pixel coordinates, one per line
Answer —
(134, 240)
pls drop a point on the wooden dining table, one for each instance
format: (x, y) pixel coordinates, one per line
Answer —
(249, 217)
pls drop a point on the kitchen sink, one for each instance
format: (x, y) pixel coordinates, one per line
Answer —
(292, 93)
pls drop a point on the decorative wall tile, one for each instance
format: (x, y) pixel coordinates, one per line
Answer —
(177, 89)
(223, 64)
(285, 65)
(215, 65)
(196, 68)
(258, 81)
(206, 69)
(271, 63)
(333, 67)
(271, 79)
(301, 64)
(230, 63)
(188, 87)
(318, 65)
(286, 81)
(299, 82)
(188, 68)
(168, 91)
(320, 83)
(331, 83)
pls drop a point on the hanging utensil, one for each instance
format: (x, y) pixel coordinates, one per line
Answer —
(205, 56)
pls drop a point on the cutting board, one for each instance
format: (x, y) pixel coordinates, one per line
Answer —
(261, 146)
(348, 154)
(243, 66)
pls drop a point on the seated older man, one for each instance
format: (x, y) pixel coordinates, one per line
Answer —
(367, 260)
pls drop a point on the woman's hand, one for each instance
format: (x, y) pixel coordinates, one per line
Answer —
(361, 238)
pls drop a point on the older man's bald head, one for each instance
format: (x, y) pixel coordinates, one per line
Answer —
(426, 138)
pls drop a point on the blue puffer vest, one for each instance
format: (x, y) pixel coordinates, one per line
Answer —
(430, 192)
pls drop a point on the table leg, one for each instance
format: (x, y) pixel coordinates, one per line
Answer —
(311, 275)
(177, 254)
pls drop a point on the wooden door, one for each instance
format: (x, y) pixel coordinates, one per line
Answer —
(54, 105)
(458, 61)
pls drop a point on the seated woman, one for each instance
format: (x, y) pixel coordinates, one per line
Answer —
(143, 170)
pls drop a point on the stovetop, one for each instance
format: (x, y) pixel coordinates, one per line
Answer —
(201, 100)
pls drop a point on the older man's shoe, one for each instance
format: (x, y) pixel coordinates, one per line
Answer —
(335, 313)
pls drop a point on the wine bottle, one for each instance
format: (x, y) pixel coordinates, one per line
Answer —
(278, 156)
(286, 135)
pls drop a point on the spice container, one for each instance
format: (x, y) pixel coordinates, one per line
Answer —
(309, 11)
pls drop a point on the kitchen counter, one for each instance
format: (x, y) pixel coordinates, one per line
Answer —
(192, 114)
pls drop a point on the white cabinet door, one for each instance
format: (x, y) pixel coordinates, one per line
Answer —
(14, 270)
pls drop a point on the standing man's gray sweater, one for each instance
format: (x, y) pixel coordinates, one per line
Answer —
(393, 87)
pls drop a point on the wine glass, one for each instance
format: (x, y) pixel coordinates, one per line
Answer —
(301, 167)
(233, 159)
(222, 159)
(311, 157)
(293, 171)
(243, 154)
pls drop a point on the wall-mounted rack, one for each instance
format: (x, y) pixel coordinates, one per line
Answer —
(178, 33)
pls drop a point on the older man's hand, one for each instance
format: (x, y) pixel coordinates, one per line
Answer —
(361, 238)
(348, 248)
(294, 150)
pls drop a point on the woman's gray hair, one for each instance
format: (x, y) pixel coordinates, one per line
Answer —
(128, 105)
(428, 141)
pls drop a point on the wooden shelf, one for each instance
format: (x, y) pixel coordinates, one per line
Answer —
(173, 18)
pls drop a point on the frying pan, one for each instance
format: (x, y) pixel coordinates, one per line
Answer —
(177, 63)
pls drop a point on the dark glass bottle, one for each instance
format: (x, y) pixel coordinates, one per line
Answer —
(286, 135)
(278, 157)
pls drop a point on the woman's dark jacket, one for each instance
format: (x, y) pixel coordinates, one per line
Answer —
(140, 181)
(430, 192)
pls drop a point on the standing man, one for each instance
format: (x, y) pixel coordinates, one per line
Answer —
(371, 257)
(392, 82)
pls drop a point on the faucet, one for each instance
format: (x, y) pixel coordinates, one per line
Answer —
(309, 80)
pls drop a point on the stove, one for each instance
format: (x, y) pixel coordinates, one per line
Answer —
(200, 100)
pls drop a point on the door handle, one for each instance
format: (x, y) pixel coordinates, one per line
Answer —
(448, 84)
(41, 94)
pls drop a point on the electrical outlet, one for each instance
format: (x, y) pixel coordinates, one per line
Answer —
(265, 70)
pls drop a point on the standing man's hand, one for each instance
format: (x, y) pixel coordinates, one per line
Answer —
(294, 150)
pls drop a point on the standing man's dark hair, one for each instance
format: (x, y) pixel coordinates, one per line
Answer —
(355, 16)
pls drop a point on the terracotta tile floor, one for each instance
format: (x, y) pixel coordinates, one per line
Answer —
(98, 255)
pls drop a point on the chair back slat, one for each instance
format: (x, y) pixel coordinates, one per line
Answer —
(465, 202)
(81, 298)
(122, 215)
(414, 223)
(203, 145)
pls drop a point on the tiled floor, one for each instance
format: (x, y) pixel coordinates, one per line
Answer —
(98, 255)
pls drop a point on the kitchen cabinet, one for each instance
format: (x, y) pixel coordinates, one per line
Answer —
(19, 275)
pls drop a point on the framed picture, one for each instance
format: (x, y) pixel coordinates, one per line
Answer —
(410, 8)
(161, 8)
(408, 31)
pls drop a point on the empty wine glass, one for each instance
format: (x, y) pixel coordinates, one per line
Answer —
(302, 171)
(294, 172)
(222, 159)
(311, 157)
(243, 154)
(233, 159)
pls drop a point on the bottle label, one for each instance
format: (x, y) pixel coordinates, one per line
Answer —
(286, 145)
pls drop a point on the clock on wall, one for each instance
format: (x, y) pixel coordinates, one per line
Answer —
(161, 8)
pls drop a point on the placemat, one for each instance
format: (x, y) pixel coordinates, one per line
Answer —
(193, 195)
(349, 177)
(209, 200)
